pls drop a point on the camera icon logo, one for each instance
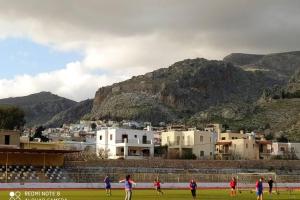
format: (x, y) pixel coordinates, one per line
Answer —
(15, 195)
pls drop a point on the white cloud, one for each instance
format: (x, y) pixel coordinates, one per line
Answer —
(71, 82)
(125, 38)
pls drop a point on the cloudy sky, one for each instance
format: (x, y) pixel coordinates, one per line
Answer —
(73, 47)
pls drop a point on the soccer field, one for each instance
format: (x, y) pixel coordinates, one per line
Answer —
(138, 195)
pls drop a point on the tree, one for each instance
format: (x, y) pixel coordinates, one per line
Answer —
(269, 136)
(11, 117)
(282, 138)
(161, 151)
(93, 126)
(39, 134)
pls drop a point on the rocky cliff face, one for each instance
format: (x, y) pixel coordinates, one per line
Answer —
(180, 91)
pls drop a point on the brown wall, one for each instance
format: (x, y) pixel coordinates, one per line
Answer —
(194, 164)
(32, 159)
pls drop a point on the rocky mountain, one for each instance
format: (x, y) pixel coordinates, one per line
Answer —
(276, 112)
(282, 65)
(180, 91)
(39, 108)
(72, 114)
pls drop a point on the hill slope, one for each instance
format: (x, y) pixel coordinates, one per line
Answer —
(40, 107)
(72, 114)
(178, 92)
(282, 65)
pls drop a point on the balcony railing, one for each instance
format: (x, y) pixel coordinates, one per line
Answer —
(223, 152)
(134, 141)
(170, 144)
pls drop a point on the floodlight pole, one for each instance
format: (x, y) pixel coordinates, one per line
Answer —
(44, 160)
(6, 166)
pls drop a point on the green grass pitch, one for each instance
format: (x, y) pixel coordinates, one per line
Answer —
(148, 195)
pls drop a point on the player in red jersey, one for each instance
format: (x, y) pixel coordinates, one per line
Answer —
(157, 185)
(233, 184)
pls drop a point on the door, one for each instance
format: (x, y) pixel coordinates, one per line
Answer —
(124, 136)
(7, 139)
(144, 139)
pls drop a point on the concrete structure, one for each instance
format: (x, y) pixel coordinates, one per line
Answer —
(216, 128)
(9, 139)
(242, 146)
(125, 143)
(200, 143)
(291, 150)
(81, 146)
(26, 144)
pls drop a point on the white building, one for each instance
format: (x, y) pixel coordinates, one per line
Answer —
(286, 149)
(200, 143)
(125, 143)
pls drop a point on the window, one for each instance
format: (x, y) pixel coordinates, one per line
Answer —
(188, 140)
(232, 138)
(282, 149)
(135, 136)
(202, 153)
(7, 139)
(293, 149)
(201, 138)
(100, 137)
(253, 146)
(223, 138)
(210, 153)
(246, 146)
(111, 137)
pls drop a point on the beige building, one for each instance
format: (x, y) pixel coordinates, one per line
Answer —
(242, 146)
(9, 139)
(181, 142)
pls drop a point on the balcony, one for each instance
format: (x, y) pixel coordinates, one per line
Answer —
(178, 144)
(134, 141)
(265, 154)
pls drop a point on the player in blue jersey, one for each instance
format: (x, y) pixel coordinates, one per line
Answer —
(193, 188)
(107, 182)
(128, 187)
(259, 189)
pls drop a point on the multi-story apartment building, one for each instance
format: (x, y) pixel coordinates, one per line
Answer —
(242, 146)
(199, 143)
(125, 143)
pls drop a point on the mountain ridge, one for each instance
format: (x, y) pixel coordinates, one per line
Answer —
(39, 107)
(182, 89)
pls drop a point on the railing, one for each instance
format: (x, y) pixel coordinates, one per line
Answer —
(171, 144)
(137, 141)
(223, 152)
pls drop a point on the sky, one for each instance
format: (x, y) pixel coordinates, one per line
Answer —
(73, 47)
